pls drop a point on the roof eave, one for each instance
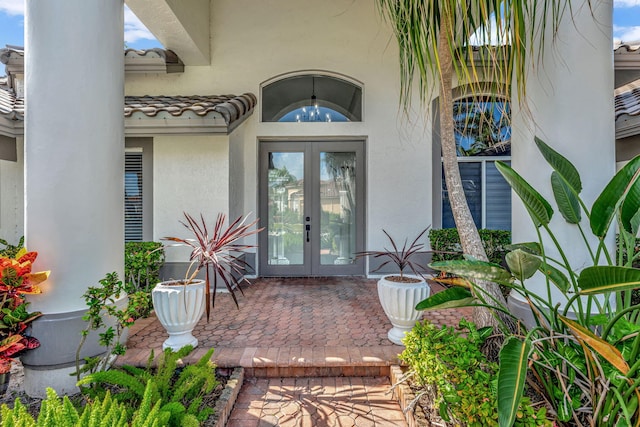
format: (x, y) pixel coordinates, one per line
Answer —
(149, 127)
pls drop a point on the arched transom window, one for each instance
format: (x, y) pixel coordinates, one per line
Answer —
(311, 98)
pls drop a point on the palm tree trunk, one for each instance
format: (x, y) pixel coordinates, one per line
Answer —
(467, 230)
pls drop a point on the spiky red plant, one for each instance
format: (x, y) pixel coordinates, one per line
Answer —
(218, 252)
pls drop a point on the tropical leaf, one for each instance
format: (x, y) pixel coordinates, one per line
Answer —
(604, 208)
(565, 169)
(608, 278)
(631, 208)
(449, 298)
(478, 270)
(600, 346)
(453, 281)
(556, 276)
(512, 376)
(539, 209)
(566, 200)
(530, 247)
(522, 264)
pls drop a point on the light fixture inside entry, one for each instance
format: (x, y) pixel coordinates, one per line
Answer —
(314, 99)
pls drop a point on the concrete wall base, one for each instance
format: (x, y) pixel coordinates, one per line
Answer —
(521, 310)
(36, 381)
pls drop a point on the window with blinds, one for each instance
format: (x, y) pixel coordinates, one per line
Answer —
(133, 215)
(483, 136)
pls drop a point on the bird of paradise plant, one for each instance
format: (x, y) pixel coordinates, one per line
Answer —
(17, 280)
(584, 354)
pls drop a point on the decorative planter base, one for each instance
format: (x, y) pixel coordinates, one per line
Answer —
(398, 299)
(179, 309)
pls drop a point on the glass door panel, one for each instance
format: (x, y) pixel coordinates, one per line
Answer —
(312, 208)
(285, 184)
(337, 208)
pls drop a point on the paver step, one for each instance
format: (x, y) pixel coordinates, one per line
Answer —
(317, 402)
(260, 362)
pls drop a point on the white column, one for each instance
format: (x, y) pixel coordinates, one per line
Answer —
(74, 162)
(570, 97)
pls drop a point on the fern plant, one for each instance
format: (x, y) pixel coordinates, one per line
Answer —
(181, 392)
(105, 412)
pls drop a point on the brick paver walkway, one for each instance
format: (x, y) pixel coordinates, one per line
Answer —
(316, 402)
(315, 351)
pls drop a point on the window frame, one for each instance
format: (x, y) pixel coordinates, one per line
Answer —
(144, 146)
(459, 93)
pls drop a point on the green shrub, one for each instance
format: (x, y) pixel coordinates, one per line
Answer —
(101, 302)
(449, 363)
(10, 251)
(142, 263)
(445, 243)
(105, 412)
(181, 390)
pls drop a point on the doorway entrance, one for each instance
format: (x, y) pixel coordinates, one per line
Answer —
(312, 208)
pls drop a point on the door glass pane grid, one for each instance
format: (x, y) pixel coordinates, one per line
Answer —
(285, 208)
(337, 208)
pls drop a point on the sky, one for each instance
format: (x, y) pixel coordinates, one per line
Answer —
(626, 25)
(136, 34)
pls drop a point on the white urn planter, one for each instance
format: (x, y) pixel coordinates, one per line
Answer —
(179, 308)
(398, 299)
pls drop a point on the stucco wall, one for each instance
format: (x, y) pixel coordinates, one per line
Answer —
(11, 196)
(341, 36)
(190, 174)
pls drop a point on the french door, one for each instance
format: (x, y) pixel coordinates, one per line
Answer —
(312, 208)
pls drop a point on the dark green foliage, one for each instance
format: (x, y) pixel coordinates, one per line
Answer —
(142, 263)
(449, 362)
(103, 412)
(179, 389)
(10, 251)
(445, 243)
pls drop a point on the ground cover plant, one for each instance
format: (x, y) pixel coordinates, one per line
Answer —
(179, 391)
(106, 411)
(448, 364)
(167, 394)
(582, 353)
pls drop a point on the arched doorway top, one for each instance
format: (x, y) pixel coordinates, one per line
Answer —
(311, 95)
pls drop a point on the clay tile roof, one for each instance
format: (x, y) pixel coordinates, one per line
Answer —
(230, 107)
(627, 99)
(10, 106)
(624, 47)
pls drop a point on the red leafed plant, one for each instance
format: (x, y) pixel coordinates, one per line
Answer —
(16, 280)
(218, 252)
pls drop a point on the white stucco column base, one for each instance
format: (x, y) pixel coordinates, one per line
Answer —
(74, 169)
(569, 96)
(61, 380)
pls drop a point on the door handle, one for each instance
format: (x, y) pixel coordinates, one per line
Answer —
(308, 228)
